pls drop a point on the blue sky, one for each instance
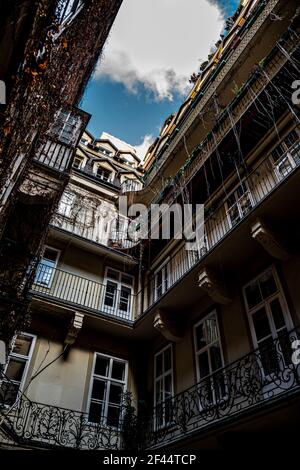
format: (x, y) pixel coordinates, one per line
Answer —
(143, 75)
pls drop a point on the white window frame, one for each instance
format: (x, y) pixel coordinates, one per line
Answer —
(237, 202)
(207, 348)
(26, 359)
(104, 168)
(109, 380)
(162, 377)
(58, 252)
(64, 123)
(265, 303)
(166, 267)
(286, 155)
(79, 167)
(279, 294)
(115, 310)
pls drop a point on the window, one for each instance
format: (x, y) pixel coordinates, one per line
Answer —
(209, 360)
(45, 270)
(162, 280)
(66, 204)
(163, 387)
(269, 319)
(78, 163)
(286, 155)
(105, 151)
(118, 296)
(239, 203)
(104, 174)
(108, 384)
(16, 368)
(66, 128)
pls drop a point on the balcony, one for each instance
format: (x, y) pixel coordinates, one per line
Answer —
(83, 293)
(24, 422)
(57, 151)
(265, 178)
(261, 378)
(256, 382)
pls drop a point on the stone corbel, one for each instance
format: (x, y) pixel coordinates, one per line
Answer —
(269, 240)
(210, 284)
(74, 328)
(169, 327)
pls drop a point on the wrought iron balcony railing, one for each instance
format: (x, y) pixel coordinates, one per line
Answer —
(78, 291)
(220, 221)
(261, 377)
(24, 422)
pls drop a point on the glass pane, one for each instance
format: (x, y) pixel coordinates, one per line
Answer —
(277, 152)
(269, 357)
(211, 329)
(203, 365)
(118, 370)
(158, 281)
(101, 366)
(95, 412)
(113, 416)
(112, 274)
(22, 345)
(110, 294)
(127, 279)
(99, 389)
(159, 365)
(215, 356)
(158, 391)
(277, 314)
(15, 369)
(8, 393)
(241, 190)
(44, 273)
(245, 204)
(234, 214)
(50, 254)
(267, 284)
(168, 386)
(253, 294)
(261, 324)
(200, 337)
(167, 359)
(124, 299)
(115, 394)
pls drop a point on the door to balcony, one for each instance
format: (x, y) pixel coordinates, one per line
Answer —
(270, 322)
(118, 294)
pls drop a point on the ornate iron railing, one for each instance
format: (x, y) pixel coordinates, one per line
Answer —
(82, 292)
(265, 375)
(29, 423)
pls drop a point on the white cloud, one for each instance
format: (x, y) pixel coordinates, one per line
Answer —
(143, 147)
(159, 43)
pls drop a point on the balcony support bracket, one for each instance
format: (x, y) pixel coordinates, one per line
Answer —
(74, 329)
(210, 284)
(269, 240)
(169, 327)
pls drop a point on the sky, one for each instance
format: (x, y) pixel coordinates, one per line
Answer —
(143, 75)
